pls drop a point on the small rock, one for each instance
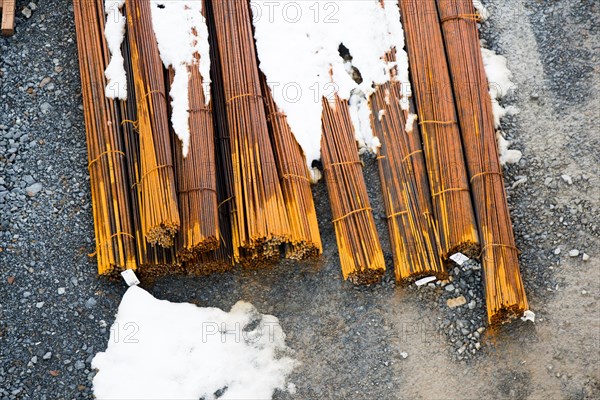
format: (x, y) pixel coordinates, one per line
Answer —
(90, 303)
(10, 280)
(26, 12)
(61, 290)
(45, 107)
(26, 294)
(39, 304)
(79, 364)
(45, 81)
(585, 257)
(457, 302)
(557, 251)
(34, 360)
(47, 356)
(472, 305)
(32, 6)
(449, 288)
(404, 355)
(33, 189)
(567, 179)
(574, 253)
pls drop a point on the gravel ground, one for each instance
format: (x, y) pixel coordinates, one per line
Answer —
(369, 342)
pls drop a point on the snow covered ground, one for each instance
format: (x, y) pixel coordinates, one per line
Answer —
(163, 350)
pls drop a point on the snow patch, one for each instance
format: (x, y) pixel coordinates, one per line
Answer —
(500, 84)
(163, 350)
(481, 10)
(114, 32)
(528, 316)
(313, 68)
(507, 156)
(410, 122)
(182, 36)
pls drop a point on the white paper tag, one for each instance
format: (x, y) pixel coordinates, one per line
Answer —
(130, 278)
(425, 281)
(459, 258)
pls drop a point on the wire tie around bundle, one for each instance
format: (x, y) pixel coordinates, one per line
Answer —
(198, 189)
(491, 245)
(106, 242)
(276, 114)
(437, 122)
(351, 214)
(441, 192)
(153, 170)
(397, 214)
(239, 96)
(153, 91)
(225, 201)
(414, 153)
(466, 17)
(104, 154)
(200, 109)
(485, 174)
(291, 176)
(128, 121)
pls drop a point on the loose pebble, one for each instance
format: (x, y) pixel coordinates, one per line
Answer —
(457, 302)
(574, 253)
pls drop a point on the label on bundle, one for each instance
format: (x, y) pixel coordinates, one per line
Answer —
(130, 278)
(459, 258)
(425, 281)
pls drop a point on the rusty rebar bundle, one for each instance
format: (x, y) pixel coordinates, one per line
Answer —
(411, 225)
(159, 212)
(361, 256)
(113, 227)
(450, 190)
(305, 240)
(261, 222)
(505, 294)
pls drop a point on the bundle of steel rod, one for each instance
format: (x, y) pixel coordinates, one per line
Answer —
(412, 228)
(505, 294)
(361, 256)
(113, 228)
(159, 212)
(261, 219)
(150, 257)
(295, 183)
(221, 258)
(439, 129)
(196, 173)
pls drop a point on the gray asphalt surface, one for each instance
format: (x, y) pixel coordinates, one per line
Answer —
(55, 311)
